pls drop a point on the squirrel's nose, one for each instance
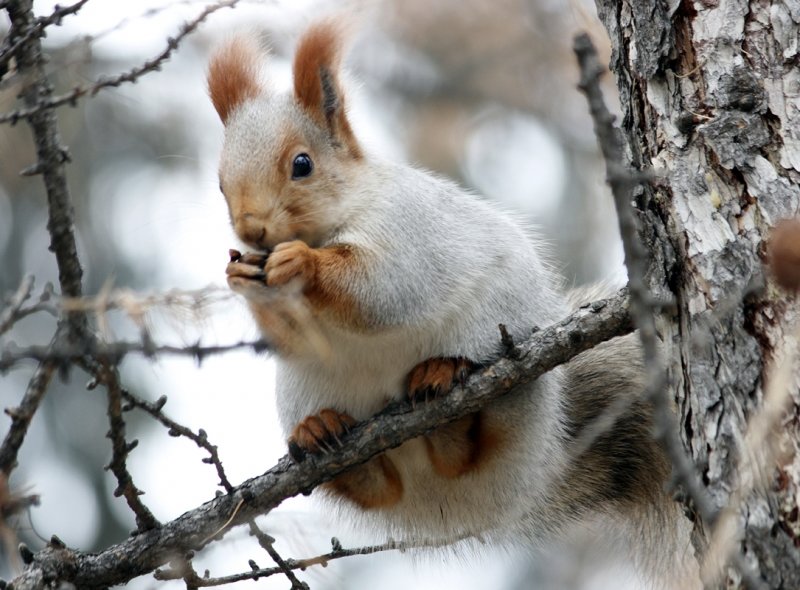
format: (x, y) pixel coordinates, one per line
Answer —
(251, 231)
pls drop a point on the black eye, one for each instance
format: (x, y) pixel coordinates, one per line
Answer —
(302, 166)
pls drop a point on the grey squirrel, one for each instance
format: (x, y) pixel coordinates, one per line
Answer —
(407, 276)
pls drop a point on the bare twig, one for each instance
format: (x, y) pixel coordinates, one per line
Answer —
(120, 450)
(46, 104)
(51, 157)
(11, 312)
(268, 544)
(622, 181)
(338, 552)
(148, 550)
(137, 307)
(22, 415)
(200, 438)
(38, 30)
(113, 352)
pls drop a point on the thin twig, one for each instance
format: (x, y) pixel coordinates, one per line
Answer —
(22, 415)
(11, 312)
(113, 352)
(268, 544)
(151, 65)
(302, 564)
(641, 310)
(120, 450)
(199, 438)
(39, 30)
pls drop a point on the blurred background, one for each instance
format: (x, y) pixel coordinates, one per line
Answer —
(483, 91)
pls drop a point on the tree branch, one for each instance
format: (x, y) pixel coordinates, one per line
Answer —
(47, 104)
(11, 312)
(338, 552)
(51, 155)
(148, 550)
(22, 415)
(38, 30)
(113, 352)
(120, 450)
(200, 438)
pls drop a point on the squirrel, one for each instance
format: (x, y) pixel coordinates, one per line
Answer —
(408, 276)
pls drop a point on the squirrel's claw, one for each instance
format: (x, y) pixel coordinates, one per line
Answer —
(319, 434)
(437, 376)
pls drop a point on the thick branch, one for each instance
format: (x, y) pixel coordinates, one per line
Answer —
(143, 553)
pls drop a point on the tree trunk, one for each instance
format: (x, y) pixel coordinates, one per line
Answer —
(710, 92)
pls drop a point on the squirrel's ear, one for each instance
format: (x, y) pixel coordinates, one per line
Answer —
(316, 82)
(233, 74)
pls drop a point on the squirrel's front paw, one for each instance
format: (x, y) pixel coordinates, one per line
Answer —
(437, 376)
(291, 260)
(319, 434)
(245, 271)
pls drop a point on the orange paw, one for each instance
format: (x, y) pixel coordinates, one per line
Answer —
(319, 434)
(291, 260)
(436, 376)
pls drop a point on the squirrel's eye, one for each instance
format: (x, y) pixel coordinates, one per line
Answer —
(302, 166)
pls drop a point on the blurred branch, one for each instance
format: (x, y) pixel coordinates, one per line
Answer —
(134, 305)
(399, 422)
(112, 352)
(11, 312)
(22, 415)
(47, 104)
(643, 308)
(15, 309)
(37, 30)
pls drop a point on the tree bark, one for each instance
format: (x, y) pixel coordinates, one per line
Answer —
(710, 93)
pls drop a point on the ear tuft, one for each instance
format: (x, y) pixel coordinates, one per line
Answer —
(316, 80)
(316, 63)
(233, 74)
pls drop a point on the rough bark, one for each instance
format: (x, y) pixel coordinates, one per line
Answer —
(709, 92)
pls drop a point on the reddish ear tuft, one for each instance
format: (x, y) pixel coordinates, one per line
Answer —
(316, 81)
(233, 75)
(315, 66)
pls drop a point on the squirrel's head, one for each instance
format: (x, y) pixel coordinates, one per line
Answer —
(287, 157)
